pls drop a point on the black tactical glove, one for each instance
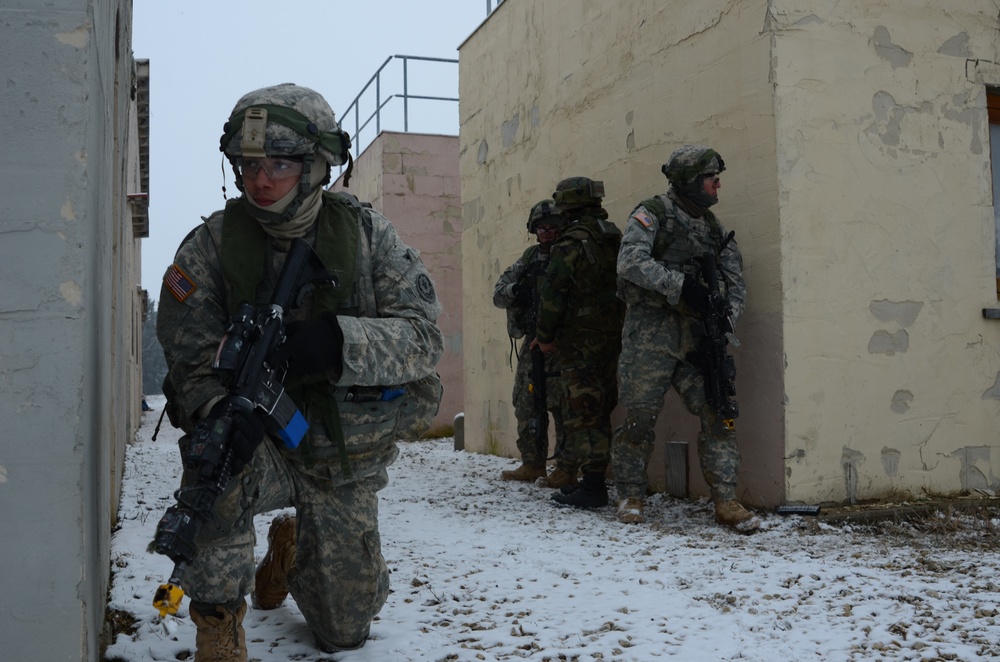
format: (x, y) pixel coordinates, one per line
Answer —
(695, 295)
(244, 437)
(522, 295)
(207, 443)
(311, 346)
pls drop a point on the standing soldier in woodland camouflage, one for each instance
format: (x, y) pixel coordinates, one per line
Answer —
(666, 238)
(579, 324)
(345, 349)
(516, 291)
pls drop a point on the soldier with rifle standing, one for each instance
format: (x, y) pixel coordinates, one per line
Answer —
(681, 277)
(516, 291)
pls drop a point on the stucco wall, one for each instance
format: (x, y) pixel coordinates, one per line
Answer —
(858, 184)
(412, 179)
(66, 298)
(608, 90)
(888, 247)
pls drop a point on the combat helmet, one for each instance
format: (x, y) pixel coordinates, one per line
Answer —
(575, 193)
(687, 168)
(287, 120)
(688, 162)
(544, 213)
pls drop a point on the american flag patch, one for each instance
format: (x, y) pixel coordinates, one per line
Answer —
(643, 218)
(178, 283)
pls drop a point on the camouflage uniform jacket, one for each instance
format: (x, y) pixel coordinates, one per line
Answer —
(520, 319)
(578, 309)
(390, 337)
(658, 251)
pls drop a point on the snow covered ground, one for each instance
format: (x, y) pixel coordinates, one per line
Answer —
(486, 570)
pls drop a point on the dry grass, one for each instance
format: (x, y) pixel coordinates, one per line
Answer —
(439, 432)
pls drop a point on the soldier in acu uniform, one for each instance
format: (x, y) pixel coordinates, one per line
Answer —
(345, 350)
(579, 324)
(665, 238)
(516, 292)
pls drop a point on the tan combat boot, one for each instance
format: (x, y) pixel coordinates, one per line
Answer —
(558, 478)
(729, 512)
(523, 473)
(630, 511)
(220, 636)
(271, 581)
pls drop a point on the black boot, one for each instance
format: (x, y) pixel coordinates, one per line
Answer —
(591, 492)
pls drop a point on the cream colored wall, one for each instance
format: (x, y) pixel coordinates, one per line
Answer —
(858, 185)
(888, 247)
(607, 90)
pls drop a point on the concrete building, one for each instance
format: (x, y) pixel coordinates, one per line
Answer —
(412, 179)
(72, 213)
(857, 138)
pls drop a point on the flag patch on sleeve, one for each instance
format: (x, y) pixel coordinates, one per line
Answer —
(643, 218)
(178, 283)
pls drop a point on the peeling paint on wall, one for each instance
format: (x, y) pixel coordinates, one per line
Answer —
(972, 478)
(957, 46)
(508, 130)
(3, 474)
(71, 293)
(67, 212)
(903, 313)
(993, 392)
(901, 400)
(484, 151)
(883, 342)
(888, 51)
(850, 462)
(78, 37)
(890, 461)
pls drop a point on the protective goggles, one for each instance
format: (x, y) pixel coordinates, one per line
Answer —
(275, 169)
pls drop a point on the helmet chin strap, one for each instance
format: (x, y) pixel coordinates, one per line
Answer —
(298, 206)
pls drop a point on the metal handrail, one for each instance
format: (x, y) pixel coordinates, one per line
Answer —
(376, 115)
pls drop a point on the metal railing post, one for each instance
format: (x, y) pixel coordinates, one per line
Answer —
(354, 108)
(406, 97)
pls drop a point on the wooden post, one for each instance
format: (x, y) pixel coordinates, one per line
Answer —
(677, 468)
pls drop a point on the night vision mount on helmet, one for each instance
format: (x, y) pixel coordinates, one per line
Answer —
(544, 213)
(285, 121)
(686, 163)
(577, 193)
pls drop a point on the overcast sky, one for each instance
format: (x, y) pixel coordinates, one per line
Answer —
(203, 56)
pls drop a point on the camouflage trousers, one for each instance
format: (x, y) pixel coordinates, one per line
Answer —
(524, 410)
(587, 395)
(341, 579)
(654, 344)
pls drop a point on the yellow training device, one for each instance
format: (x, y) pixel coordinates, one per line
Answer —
(168, 599)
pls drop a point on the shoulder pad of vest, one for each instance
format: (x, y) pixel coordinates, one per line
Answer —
(348, 198)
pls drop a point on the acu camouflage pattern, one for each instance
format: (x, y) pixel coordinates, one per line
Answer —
(340, 581)
(520, 319)
(580, 313)
(519, 325)
(283, 140)
(339, 559)
(687, 162)
(660, 333)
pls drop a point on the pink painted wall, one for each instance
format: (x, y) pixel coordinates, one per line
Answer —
(412, 179)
